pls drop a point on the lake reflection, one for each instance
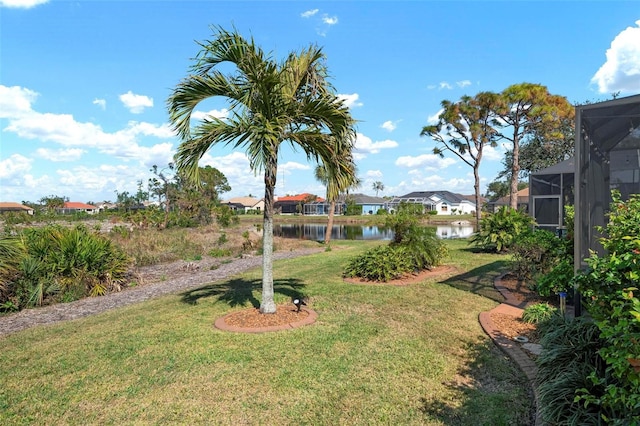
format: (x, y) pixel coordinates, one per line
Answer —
(316, 231)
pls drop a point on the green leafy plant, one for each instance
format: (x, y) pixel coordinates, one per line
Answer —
(62, 264)
(535, 253)
(558, 279)
(569, 355)
(500, 230)
(219, 252)
(538, 312)
(382, 263)
(414, 248)
(610, 286)
(225, 216)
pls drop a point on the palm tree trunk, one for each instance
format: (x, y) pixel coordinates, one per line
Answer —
(268, 304)
(327, 234)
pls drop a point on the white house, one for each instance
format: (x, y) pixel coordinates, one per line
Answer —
(443, 202)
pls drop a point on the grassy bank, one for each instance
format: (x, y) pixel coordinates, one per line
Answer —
(377, 355)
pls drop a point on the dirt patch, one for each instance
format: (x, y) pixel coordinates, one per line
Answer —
(407, 279)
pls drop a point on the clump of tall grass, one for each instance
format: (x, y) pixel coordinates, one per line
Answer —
(54, 263)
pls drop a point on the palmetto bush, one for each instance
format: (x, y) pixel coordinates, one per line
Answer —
(382, 263)
(63, 264)
(12, 251)
(500, 230)
(413, 249)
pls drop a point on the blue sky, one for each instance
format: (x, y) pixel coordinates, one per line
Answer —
(83, 84)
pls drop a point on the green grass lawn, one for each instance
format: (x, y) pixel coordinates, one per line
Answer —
(377, 355)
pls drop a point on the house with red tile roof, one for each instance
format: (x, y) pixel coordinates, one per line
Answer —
(294, 204)
(71, 207)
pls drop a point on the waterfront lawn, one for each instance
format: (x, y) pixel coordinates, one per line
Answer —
(377, 355)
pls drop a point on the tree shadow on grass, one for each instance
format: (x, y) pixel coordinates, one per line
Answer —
(238, 292)
(486, 390)
(480, 280)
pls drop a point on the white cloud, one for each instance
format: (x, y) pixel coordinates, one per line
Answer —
(364, 145)
(323, 23)
(290, 166)
(59, 155)
(493, 154)
(373, 174)
(621, 71)
(136, 103)
(329, 20)
(147, 129)
(431, 182)
(15, 101)
(22, 4)
(389, 125)
(433, 119)
(14, 166)
(201, 115)
(350, 100)
(102, 103)
(86, 182)
(444, 85)
(463, 83)
(309, 13)
(66, 131)
(427, 161)
(60, 128)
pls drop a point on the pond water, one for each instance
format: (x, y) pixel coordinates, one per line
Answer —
(316, 231)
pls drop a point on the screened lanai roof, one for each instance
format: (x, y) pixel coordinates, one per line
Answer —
(611, 121)
(566, 166)
(608, 157)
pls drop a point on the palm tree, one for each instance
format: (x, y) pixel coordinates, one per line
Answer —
(334, 187)
(271, 103)
(378, 186)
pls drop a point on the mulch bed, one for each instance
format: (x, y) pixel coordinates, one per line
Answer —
(253, 318)
(407, 279)
(512, 326)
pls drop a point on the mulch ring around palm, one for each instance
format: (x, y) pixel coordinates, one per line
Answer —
(407, 279)
(251, 320)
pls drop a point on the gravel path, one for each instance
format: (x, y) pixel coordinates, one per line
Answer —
(93, 305)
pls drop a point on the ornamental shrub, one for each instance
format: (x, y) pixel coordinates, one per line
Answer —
(558, 279)
(500, 230)
(610, 289)
(535, 253)
(413, 249)
(382, 263)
